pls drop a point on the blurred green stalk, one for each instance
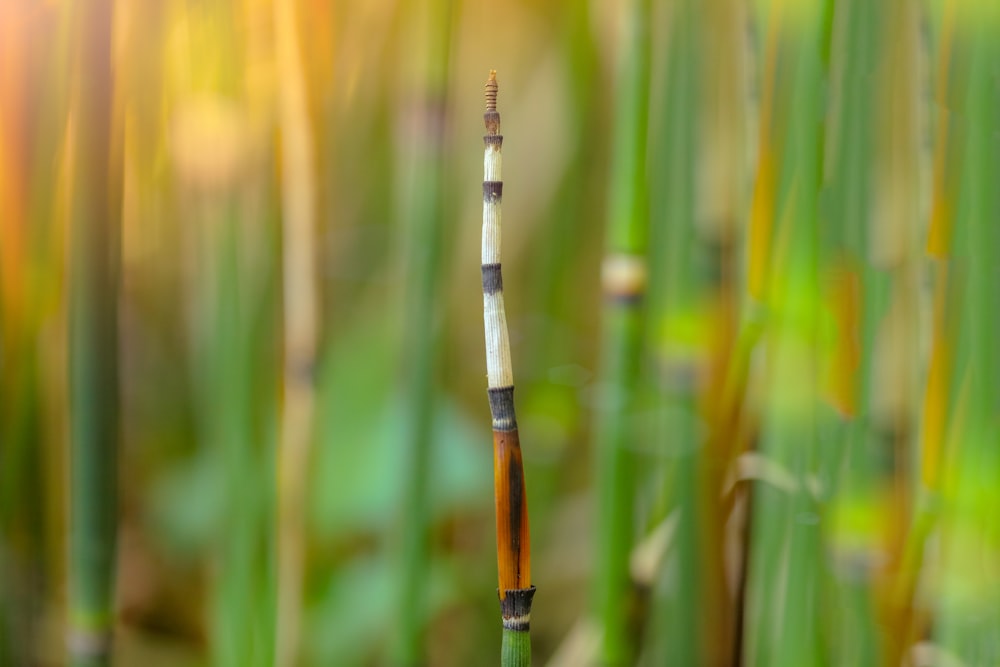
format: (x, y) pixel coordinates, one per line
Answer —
(93, 342)
(783, 592)
(969, 585)
(424, 219)
(237, 420)
(624, 285)
(673, 296)
(854, 288)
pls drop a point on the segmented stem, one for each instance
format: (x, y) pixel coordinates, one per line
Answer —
(513, 547)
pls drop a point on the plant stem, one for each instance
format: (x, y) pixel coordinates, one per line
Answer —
(425, 216)
(852, 288)
(786, 523)
(513, 537)
(624, 285)
(674, 292)
(300, 328)
(93, 341)
(967, 610)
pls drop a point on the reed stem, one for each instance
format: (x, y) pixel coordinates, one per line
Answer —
(967, 610)
(513, 538)
(300, 304)
(93, 345)
(624, 276)
(426, 229)
(785, 523)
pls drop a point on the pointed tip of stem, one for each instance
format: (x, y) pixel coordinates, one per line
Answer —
(491, 92)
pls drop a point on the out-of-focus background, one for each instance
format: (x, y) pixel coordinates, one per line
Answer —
(242, 377)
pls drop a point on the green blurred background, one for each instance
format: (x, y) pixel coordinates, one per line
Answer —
(242, 378)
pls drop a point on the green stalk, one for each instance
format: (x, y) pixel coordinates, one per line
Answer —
(849, 187)
(423, 217)
(93, 344)
(237, 422)
(782, 625)
(674, 295)
(515, 649)
(968, 614)
(624, 284)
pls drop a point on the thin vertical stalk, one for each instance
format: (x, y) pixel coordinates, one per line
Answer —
(93, 344)
(782, 621)
(624, 276)
(940, 367)
(674, 293)
(513, 539)
(853, 288)
(695, 207)
(424, 217)
(233, 410)
(300, 318)
(894, 247)
(968, 614)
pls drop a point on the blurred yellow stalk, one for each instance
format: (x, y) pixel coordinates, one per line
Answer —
(298, 207)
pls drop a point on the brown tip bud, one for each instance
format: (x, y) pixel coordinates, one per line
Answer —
(491, 91)
(492, 117)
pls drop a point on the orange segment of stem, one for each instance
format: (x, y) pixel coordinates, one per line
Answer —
(513, 545)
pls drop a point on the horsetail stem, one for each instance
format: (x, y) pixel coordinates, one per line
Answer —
(513, 545)
(300, 305)
(93, 346)
(624, 282)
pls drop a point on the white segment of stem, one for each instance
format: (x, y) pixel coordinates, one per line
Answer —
(499, 371)
(491, 163)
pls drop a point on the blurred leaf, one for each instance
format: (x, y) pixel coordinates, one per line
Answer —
(187, 503)
(358, 473)
(353, 617)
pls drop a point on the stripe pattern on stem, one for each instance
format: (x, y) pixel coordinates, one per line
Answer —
(513, 547)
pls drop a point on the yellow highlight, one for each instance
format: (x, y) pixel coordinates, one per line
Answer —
(843, 293)
(761, 225)
(935, 414)
(942, 207)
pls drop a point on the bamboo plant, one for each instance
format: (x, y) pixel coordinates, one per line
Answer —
(513, 540)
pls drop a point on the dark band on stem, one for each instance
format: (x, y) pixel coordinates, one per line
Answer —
(625, 298)
(493, 140)
(502, 408)
(492, 191)
(492, 279)
(515, 609)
